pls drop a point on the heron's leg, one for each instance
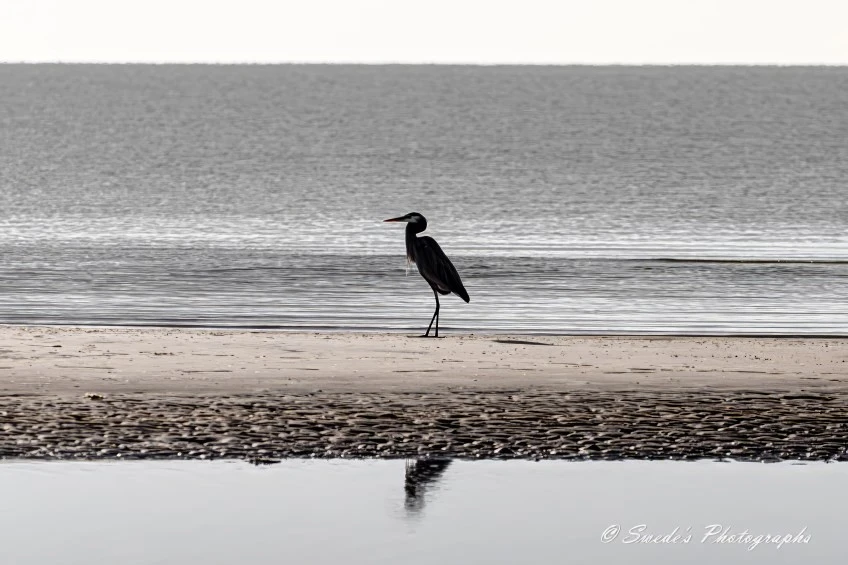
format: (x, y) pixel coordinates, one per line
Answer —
(427, 333)
(436, 294)
(435, 317)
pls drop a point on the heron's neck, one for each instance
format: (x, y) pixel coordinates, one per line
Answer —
(412, 231)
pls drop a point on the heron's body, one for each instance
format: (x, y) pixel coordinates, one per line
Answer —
(432, 263)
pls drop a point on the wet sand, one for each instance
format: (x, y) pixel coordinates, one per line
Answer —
(163, 393)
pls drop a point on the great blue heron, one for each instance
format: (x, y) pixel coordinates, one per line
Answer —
(432, 263)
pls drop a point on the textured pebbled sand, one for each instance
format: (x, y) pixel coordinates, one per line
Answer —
(585, 424)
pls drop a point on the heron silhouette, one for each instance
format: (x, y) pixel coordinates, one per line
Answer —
(420, 476)
(432, 263)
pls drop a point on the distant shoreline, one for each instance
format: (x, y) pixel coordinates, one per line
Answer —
(442, 65)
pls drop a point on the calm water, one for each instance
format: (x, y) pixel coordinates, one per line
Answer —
(371, 512)
(570, 199)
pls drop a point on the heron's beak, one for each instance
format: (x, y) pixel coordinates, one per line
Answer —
(401, 219)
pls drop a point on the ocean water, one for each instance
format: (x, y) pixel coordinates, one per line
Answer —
(373, 512)
(689, 200)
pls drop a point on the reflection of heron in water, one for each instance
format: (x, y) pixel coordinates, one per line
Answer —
(421, 474)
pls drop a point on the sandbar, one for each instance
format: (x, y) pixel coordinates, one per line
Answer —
(164, 393)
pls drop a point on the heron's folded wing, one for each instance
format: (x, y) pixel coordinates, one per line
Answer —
(435, 266)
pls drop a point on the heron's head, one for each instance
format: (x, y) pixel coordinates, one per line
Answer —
(411, 218)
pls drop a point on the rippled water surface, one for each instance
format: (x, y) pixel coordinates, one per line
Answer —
(371, 512)
(671, 200)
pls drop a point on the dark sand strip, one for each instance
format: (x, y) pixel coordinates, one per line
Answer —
(582, 424)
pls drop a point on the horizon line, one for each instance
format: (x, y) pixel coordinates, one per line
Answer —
(426, 63)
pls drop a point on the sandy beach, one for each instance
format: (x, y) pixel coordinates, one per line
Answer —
(64, 360)
(161, 392)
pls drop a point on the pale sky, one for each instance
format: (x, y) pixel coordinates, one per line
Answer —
(427, 31)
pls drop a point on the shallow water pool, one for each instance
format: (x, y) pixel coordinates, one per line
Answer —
(329, 512)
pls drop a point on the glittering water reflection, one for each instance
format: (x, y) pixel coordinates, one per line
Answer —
(253, 196)
(249, 288)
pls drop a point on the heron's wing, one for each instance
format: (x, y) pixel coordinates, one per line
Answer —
(435, 266)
